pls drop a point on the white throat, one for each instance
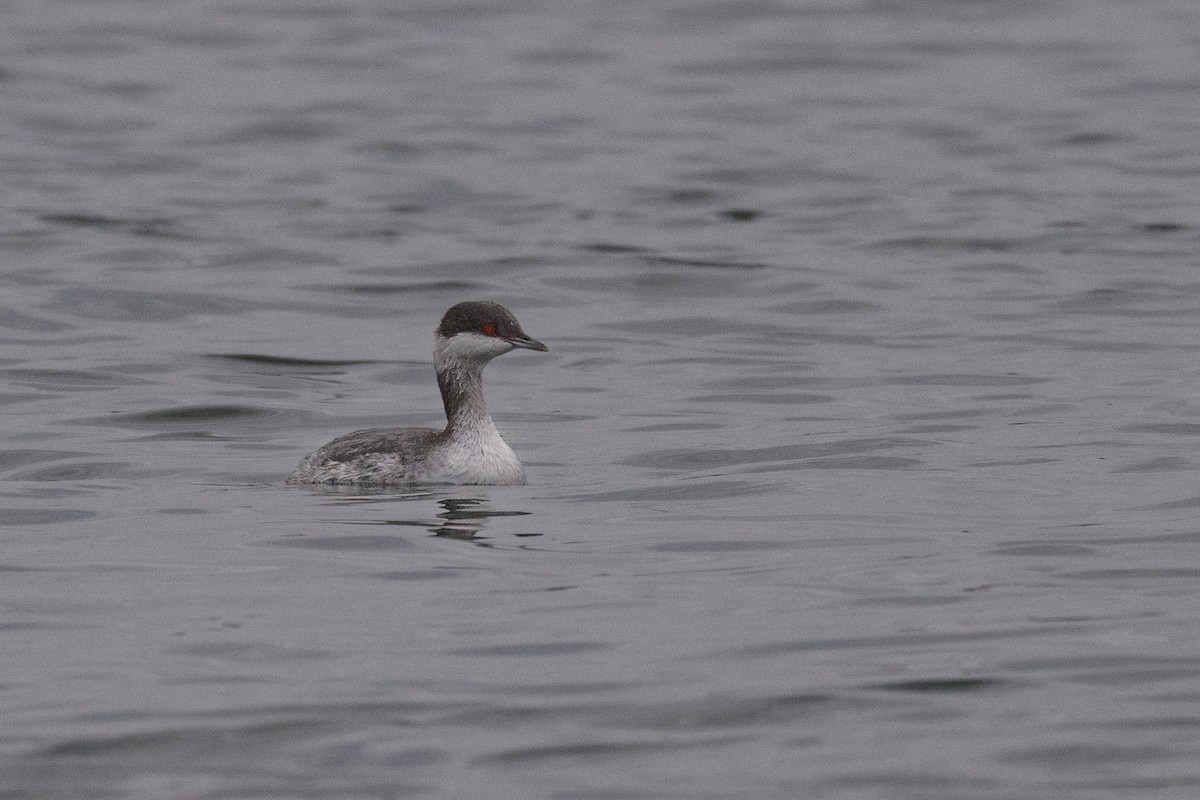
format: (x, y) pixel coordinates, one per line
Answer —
(473, 450)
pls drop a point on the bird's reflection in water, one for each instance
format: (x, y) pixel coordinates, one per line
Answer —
(465, 517)
(460, 517)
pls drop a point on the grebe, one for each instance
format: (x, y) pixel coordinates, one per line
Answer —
(470, 449)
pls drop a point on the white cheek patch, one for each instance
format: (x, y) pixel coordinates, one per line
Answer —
(470, 347)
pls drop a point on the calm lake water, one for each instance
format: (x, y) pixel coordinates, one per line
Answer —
(863, 464)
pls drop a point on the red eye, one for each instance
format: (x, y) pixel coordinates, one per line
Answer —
(489, 329)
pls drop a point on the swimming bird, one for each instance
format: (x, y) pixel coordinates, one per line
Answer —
(469, 450)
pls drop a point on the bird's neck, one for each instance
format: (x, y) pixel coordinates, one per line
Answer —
(461, 385)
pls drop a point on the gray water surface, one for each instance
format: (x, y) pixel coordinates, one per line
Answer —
(862, 464)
